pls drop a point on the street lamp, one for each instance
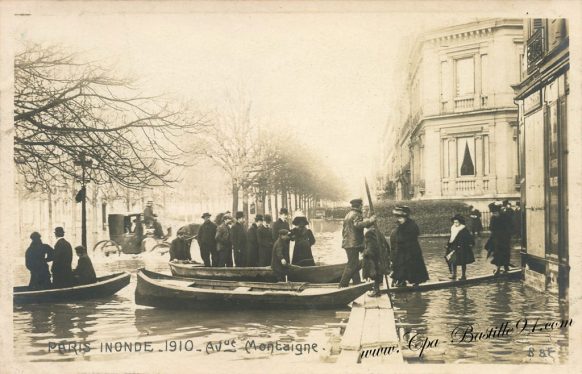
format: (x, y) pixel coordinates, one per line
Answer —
(82, 197)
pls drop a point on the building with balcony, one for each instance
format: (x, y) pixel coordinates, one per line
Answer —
(542, 96)
(457, 137)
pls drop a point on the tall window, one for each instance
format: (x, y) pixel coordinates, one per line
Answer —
(465, 76)
(466, 156)
(484, 75)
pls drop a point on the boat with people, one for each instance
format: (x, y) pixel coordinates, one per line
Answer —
(441, 284)
(164, 291)
(311, 274)
(105, 286)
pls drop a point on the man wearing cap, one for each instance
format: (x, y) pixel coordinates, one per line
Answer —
(279, 262)
(63, 256)
(207, 241)
(279, 225)
(239, 240)
(180, 247)
(265, 239)
(253, 241)
(353, 241)
(224, 242)
(84, 272)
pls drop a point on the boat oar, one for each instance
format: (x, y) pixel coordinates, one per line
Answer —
(378, 233)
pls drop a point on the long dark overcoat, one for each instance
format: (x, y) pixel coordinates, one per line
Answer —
(408, 263)
(500, 240)
(279, 248)
(37, 256)
(252, 246)
(463, 247)
(84, 272)
(61, 268)
(265, 239)
(304, 239)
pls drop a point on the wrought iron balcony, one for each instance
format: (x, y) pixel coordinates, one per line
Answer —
(535, 49)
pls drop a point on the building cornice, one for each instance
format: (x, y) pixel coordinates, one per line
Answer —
(477, 28)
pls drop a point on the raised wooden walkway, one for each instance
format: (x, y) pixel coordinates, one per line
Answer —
(370, 335)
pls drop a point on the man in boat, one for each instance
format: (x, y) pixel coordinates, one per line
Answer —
(376, 262)
(84, 272)
(239, 240)
(281, 224)
(253, 241)
(265, 239)
(37, 255)
(353, 241)
(180, 248)
(279, 263)
(63, 256)
(207, 241)
(224, 242)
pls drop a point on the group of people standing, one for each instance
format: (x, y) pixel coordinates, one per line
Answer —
(226, 242)
(39, 254)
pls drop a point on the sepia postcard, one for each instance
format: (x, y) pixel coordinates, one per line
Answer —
(290, 186)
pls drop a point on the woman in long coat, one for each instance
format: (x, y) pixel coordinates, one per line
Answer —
(461, 242)
(499, 243)
(304, 239)
(37, 255)
(265, 241)
(408, 263)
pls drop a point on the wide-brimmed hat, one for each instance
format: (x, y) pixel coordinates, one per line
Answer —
(357, 201)
(206, 215)
(401, 211)
(299, 219)
(258, 217)
(459, 218)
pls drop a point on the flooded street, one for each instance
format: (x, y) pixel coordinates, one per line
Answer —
(98, 324)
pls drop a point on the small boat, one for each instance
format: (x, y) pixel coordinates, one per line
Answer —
(512, 274)
(105, 286)
(164, 291)
(311, 274)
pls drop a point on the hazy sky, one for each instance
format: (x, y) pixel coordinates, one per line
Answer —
(326, 76)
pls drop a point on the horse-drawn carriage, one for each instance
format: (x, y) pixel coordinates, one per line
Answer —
(130, 235)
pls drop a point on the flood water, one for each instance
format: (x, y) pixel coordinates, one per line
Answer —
(97, 325)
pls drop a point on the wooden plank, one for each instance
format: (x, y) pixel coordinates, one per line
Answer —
(513, 274)
(353, 334)
(370, 333)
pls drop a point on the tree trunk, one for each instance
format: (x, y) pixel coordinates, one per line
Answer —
(264, 197)
(246, 206)
(283, 198)
(50, 209)
(270, 207)
(234, 198)
(276, 213)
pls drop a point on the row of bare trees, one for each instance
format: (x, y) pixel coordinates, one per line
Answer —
(67, 109)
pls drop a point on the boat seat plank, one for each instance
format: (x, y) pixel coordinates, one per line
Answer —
(353, 334)
(242, 289)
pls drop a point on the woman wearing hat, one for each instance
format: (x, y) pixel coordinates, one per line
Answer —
(37, 255)
(304, 239)
(408, 263)
(461, 242)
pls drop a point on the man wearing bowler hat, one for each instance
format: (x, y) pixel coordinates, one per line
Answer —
(239, 240)
(63, 256)
(207, 241)
(353, 241)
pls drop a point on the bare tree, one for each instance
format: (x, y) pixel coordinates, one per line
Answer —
(65, 107)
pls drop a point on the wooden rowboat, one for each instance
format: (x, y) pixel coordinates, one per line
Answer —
(164, 291)
(311, 274)
(512, 274)
(105, 286)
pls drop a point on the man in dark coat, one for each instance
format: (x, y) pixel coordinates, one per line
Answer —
(376, 262)
(281, 224)
(265, 240)
(475, 224)
(353, 241)
(239, 240)
(61, 269)
(253, 241)
(37, 255)
(499, 243)
(408, 263)
(207, 241)
(224, 242)
(84, 272)
(148, 213)
(279, 263)
(180, 248)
